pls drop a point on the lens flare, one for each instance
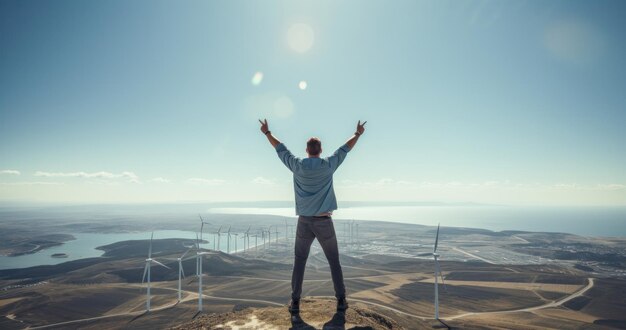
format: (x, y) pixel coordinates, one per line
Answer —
(257, 78)
(302, 85)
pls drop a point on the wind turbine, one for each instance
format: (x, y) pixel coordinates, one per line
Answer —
(202, 223)
(437, 274)
(146, 271)
(181, 272)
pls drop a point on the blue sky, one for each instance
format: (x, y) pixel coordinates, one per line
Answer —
(149, 101)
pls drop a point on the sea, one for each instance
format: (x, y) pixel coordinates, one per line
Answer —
(584, 221)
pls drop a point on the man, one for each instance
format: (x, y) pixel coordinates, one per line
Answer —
(315, 202)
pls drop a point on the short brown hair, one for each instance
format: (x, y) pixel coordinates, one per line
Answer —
(314, 146)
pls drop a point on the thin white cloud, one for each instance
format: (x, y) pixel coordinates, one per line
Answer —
(208, 182)
(130, 176)
(610, 186)
(33, 183)
(598, 187)
(263, 181)
(160, 180)
(383, 182)
(10, 172)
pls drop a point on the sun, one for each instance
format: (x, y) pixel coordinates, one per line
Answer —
(300, 37)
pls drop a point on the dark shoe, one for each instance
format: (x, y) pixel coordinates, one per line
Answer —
(296, 321)
(294, 306)
(342, 304)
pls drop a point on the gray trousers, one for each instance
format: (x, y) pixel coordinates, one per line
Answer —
(310, 228)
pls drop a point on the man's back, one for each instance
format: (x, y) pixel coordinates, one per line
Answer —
(313, 180)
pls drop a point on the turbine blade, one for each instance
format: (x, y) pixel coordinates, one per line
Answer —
(184, 254)
(150, 249)
(436, 239)
(160, 264)
(202, 220)
(145, 271)
(182, 269)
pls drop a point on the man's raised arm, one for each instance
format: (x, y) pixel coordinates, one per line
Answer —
(283, 153)
(266, 130)
(360, 129)
(337, 158)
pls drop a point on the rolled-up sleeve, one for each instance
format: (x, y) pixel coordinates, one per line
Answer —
(337, 158)
(286, 156)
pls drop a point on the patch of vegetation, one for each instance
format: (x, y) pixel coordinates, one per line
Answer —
(583, 268)
(618, 324)
(577, 303)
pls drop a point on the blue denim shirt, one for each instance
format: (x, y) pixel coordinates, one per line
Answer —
(313, 180)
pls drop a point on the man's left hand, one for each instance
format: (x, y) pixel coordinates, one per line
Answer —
(264, 126)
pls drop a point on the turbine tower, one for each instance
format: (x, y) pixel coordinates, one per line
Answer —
(219, 234)
(236, 239)
(181, 273)
(286, 230)
(246, 239)
(256, 244)
(352, 232)
(146, 271)
(263, 236)
(228, 248)
(199, 257)
(276, 232)
(437, 274)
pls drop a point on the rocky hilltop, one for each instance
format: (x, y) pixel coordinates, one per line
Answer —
(315, 314)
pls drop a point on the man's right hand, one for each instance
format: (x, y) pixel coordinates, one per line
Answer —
(264, 126)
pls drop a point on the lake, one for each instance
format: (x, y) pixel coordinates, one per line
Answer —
(85, 244)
